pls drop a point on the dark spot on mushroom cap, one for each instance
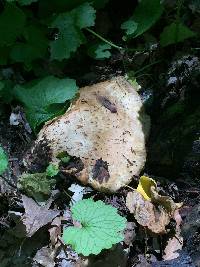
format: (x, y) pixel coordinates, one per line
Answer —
(107, 104)
(100, 171)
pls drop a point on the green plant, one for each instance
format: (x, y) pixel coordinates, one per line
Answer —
(144, 17)
(3, 161)
(52, 170)
(97, 226)
(40, 40)
(36, 185)
(45, 98)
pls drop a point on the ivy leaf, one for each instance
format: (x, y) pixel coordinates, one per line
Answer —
(70, 36)
(99, 226)
(45, 98)
(175, 33)
(12, 21)
(3, 161)
(99, 51)
(145, 15)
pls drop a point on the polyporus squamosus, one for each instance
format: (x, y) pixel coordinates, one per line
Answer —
(105, 128)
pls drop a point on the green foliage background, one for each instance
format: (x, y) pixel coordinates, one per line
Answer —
(40, 40)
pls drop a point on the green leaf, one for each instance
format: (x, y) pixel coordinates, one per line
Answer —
(12, 21)
(99, 51)
(101, 227)
(70, 36)
(130, 26)
(45, 98)
(145, 15)
(6, 90)
(174, 33)
(3, 161)
(23, 2)
(35, 47)
(36, 185)
(52, 170)
(56, 7)
(4, 54)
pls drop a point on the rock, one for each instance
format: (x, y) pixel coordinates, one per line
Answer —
(104, 131)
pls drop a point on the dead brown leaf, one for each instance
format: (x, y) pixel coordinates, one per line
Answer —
(45, 257)
(129, 233)
(176, 242)
(55, 230)
(36, 216)
(146, 214)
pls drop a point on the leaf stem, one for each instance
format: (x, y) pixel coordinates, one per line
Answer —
(105, 40)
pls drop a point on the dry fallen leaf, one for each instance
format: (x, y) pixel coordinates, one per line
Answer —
(129, 233)
(55, 230)
(176, 242)
(36, 216)
(45, 257)
(146, 214)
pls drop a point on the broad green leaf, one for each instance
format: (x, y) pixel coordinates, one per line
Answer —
(4, 55)
(145, 15)
(56, 7)
(70, 36)
(45, 98)
(99, 51)
(6, 90)
(174, 33)
(23, 2)
(12, 21)
(3, 161)
(35, 47)
(52, 170)
(99, 226)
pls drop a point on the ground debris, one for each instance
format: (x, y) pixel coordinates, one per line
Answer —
(36, 216)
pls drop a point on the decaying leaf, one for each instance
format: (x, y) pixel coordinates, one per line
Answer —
(55, 230)
(105, 129)
(36, 216)
(150, 209)
(146, 214)
(129, 233)
(175, 243)
(45, 257)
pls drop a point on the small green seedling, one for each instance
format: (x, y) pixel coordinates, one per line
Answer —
(52, 170)
(97, 226)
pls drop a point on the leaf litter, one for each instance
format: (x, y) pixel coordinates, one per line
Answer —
(36, 216)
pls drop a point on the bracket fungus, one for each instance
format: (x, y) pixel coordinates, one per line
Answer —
(105, 129)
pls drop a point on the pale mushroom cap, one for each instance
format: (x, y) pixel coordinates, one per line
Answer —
(104, 129)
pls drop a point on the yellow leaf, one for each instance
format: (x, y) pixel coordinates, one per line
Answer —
(144, 187)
